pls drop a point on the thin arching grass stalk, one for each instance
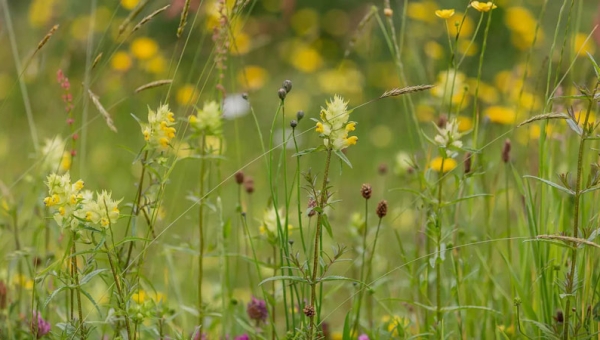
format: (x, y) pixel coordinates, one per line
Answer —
(75, 279)
(476, 114)
(438, 259)
(136, 207)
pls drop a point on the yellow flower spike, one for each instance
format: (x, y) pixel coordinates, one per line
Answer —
(448, 164)
(445, 13)
(483, 6)
(61, 211)
(171, 117)
(164, 142)
(55, 199)
(319, 128)
(47, 202)
(73, 200)
(104, 221)
(88, 216)
(351, 127)
(351, 140)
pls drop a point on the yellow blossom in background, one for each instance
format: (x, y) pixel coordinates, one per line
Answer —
(425, 113)
(347, 80)
(155, 65)
(306, 59)
(422, 11)
(23, 281)
(380, 75)
(467, 47)
(395, 323)
(444, 13)
(581, 47)
(456, 24)
(143, 48)
(299, 101)
(40, 12)
(444, 86)
(129, 4)
(464, 123)
(526, 100)
(186, 95)
(487, 93)
(240, 44)
(121, 61)
(252, 77)
(448, 163)
(434, 50)
(483, 6)
(214, 145)
(522, 26)
(500, 115)
(305, 22)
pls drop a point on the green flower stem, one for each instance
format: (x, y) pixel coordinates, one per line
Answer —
(75, 277)
(362, 270)
(370, 273)
(136, 207)
(322, 204)
(121, 297)
(438, 262)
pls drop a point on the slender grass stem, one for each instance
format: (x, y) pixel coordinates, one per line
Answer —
(201, 231)
(362, 270)
(438, 261)
(75, 277)
(313, 283)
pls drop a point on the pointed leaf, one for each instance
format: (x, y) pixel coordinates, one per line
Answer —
(343, 157)
(326, 224)
(552, 184)
(573, 125)
(283, 278)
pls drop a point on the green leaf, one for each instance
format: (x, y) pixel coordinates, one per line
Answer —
(573, 125)
(596, 67)
(283, 278)
(304, 152)
(347, 327)
(326, 224)
(445, 204)
(590, 190)
(343, 157)
(131, 239)
(91, 275)
(336, 278)
(552, 184)
(87, 295)
(54, 293)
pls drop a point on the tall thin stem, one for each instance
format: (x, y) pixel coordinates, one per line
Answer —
(75, 277)
(201, 231)
(119, 289)
(313, 283)
(362, 269)
(578, 193)
(438, 262)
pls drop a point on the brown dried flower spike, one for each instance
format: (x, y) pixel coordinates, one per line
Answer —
(239, 177)
(366, 191)
(382, 209)
(309, 311)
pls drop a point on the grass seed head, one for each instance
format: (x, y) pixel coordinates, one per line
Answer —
(366, 191)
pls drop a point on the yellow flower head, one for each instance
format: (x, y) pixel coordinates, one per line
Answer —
(501, 115)
(440, 164)
(334, 125)
(144, 48)
(208, 119)
(159, 131)
(121, 61)
(483, 6)
(444, 13)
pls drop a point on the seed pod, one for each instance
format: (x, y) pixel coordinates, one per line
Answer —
(382, 209)
(282, 93)
(287, 85)
(366, 191)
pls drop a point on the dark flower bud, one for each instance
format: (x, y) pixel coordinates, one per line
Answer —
(299, 115)
(506, 151)
(382, 169)
(293, 123)
(382, 209)
(249, 185)
(287, 85)
(441, 122)
(366, 191)
(559, 316)
(281, 93)
(239, 177)
(309, 311)
(257, 310)
(312, 203)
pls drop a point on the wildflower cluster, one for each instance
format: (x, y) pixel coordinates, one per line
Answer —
(159, 132)
(334, 125)
(74, 207)
(208, 119)
(449, 136)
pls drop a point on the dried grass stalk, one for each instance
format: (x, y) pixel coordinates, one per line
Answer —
(408, 89)
(148, 18)
(153, 84)
(183, 20)
(103, 111)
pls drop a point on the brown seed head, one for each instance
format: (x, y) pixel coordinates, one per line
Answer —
(382, 169)
(366, 191)
(239, 177)
(441, 122)
(388, 12)
(309, 311)
(382, 208)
